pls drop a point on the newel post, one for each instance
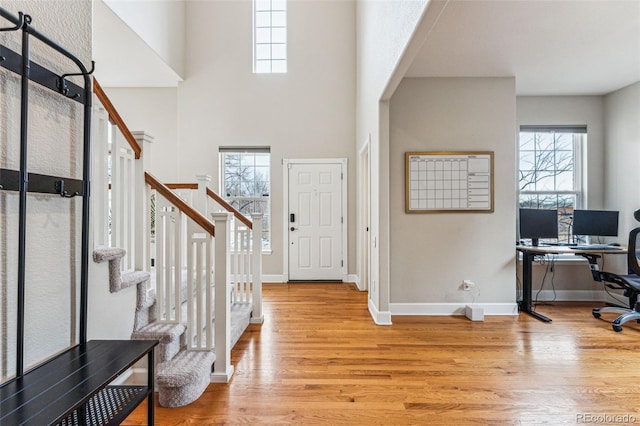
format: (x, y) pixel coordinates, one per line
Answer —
(256, 268)
(222, 368)
(141, 199)
(202, 199)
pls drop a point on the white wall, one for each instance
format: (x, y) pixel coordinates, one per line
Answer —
(622, 133)
(384, 30)
(161, 24)
(53, 223)
(307, 112)
(431, 254)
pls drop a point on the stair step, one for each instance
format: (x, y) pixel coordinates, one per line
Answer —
(169, 336)
(102, 255)
(183, 379)
(135, 277)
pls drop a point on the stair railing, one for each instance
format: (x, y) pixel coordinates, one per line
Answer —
(246, 255)
(119, 162)
(179, 228)
(149, 221)
(245, 268)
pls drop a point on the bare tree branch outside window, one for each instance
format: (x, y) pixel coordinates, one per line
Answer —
(547, 174)
(247, 186)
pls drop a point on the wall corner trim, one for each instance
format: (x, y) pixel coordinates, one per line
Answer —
(380, 318)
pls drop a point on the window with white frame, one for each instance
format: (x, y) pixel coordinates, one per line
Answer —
(550, 171)
(246, 182)
(269, 36)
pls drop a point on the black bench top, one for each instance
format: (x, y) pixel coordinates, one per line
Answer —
(51, 391)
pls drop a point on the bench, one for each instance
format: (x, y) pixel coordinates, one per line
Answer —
(75, 387)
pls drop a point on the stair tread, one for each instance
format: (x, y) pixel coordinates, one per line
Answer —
(163, 332)
(134, 277)
(102, 255)
(186, 367)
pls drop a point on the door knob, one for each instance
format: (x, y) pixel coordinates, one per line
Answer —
(293, 229)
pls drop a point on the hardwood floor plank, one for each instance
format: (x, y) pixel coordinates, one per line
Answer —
(319, 359)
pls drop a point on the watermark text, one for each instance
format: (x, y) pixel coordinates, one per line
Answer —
(604, 418)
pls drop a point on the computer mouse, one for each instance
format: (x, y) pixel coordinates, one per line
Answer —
(614, 245)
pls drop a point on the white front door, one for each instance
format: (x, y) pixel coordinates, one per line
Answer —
(315, 221)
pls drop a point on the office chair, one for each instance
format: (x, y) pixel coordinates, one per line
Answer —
(630, 283)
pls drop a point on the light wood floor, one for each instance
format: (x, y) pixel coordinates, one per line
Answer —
(319, 359)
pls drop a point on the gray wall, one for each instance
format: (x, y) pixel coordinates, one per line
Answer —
(622, 180)
(431, 254)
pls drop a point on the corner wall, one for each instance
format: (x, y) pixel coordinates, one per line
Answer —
(431, 254)
(384, 30)
(622, 133)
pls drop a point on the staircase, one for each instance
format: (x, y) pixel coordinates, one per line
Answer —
(204, 287)
(182, 374)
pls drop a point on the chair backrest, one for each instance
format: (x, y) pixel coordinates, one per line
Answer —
(633, 256)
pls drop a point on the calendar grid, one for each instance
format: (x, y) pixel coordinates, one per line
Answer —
(449, 182)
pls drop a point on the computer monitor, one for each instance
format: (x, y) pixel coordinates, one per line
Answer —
(538, 223)
(603, 223)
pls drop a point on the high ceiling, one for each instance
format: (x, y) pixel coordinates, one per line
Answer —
(552, 47)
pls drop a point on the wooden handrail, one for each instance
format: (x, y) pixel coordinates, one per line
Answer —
(167, 193)
(182, 185)
(228, 207)
(116, 119)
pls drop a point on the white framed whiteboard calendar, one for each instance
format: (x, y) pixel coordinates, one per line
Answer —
(453, 181)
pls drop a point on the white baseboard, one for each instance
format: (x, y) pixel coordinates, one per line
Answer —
(280, 278)
(570, 296)
(451, 308)
(352, 278)
(380, 318)
(224, 377)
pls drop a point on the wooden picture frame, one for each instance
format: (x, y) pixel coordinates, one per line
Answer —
(449, 182)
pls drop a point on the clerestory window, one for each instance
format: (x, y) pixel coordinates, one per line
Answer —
(269, 36)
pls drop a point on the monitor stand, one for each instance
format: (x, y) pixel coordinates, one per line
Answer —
(534, 242)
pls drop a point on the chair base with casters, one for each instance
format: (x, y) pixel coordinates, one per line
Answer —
(627, 315)
(631, 286)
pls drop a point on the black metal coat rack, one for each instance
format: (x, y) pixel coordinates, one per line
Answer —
(23, 181)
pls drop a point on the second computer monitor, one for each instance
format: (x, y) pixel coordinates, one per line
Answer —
(603, 223)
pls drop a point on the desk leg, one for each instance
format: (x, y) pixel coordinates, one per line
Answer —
(150, 384)
(527, 272)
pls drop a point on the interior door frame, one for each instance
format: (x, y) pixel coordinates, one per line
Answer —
(286, 164)
(364, 217)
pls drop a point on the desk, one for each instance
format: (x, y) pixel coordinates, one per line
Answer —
(529, 253)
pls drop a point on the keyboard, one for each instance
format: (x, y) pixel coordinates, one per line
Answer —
(595, 247)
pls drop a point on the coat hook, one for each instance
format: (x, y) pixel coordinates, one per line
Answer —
(63, 193)
(62, 82)
(22, 19)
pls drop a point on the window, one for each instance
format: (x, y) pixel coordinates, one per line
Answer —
(550, 172)
(269, 36)
(246, 183)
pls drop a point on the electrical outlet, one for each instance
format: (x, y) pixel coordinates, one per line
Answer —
(468, 285)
